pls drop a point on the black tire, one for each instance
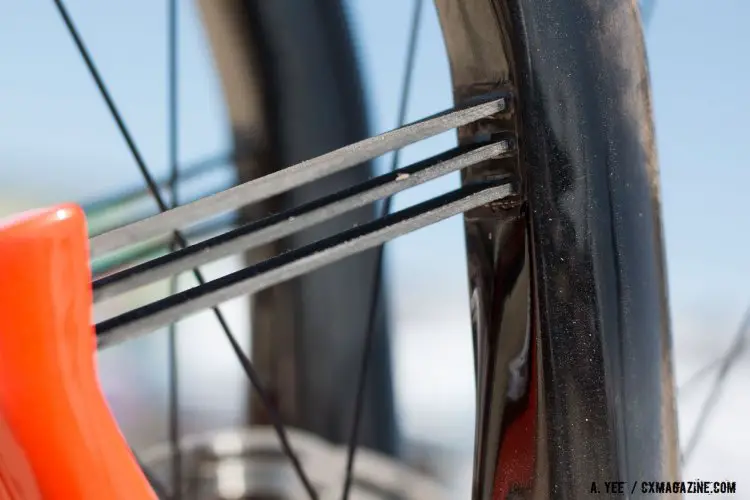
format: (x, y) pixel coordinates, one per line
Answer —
(597, 242)
(308, 333)
(573, 286)
(600, 402)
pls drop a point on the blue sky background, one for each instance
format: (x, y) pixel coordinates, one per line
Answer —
(58, 142)
(57, 135)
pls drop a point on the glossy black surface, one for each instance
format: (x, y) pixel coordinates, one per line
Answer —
(569, 306)
(590, 167)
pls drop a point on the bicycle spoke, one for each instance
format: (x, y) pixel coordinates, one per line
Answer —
(291, 177)
(733, 354)
(118, 261)
(243, 359)
(97, 228)
(296, 262)
(159, 489)
(700, 375)
(377, 278)
(187, 172)
(104, 92)
(173, 134)
(283, 224)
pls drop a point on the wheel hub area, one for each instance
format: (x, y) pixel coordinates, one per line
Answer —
(249, 463)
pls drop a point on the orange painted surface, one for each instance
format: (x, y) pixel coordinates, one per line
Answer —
(58, 439)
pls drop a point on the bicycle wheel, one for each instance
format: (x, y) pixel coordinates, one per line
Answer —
(569, 308)
(257, 51)
(601, 402)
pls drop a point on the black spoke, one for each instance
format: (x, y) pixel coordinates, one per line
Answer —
(83, 51)
(698, 376)
(173, 134)
(148, 178)
(150, 251)
(733, 353)
(187, 171)
(378, 276)
(159, 489)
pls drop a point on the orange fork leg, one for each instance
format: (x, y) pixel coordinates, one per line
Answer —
(58, 439)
